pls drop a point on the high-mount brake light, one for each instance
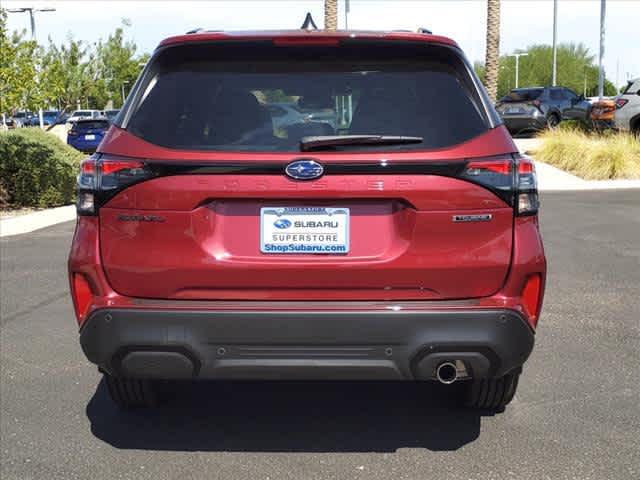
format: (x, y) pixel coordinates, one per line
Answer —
(306, 41)
(101, 177)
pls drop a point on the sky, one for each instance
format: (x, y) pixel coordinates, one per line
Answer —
(523, 22)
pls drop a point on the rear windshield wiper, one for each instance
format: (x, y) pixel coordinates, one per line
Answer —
(313, 143)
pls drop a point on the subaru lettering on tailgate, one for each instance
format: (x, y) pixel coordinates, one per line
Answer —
(304, 230)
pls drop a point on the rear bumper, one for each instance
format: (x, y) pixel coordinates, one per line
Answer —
(389, 343)
(520, 124)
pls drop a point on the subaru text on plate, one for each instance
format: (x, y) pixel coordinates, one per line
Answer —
(401, 244)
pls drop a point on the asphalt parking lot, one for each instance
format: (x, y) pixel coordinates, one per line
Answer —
(576, 415)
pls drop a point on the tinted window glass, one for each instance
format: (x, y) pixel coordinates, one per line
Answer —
(523, 95)
(193, 101)
(557, 94)
(570, 94)
(92, 125)
(633, 87)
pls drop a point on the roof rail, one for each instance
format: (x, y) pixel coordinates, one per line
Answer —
(424, 30)
(195, 30)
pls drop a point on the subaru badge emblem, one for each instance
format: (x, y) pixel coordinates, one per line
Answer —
(282, 223)
(304, 169)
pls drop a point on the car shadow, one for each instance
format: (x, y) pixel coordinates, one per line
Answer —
(290, 417)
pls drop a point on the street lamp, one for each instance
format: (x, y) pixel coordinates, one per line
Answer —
(555, 43)
(32, 17)
(518, 55)
(603, 6)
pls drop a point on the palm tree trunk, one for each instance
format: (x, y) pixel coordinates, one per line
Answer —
(493, 48)
(330, 14)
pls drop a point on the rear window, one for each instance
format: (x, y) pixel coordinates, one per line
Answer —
(92, 125)
(231, 97)
(522, 95)
(81, 113)
(633, 87)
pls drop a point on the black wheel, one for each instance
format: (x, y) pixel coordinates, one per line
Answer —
(552, 121)
(492, 393)
(131, 393)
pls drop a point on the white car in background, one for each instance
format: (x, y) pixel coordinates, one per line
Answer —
(627, 115)
(85, 115)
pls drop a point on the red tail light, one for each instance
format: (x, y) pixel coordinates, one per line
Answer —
(502, 167)
(82, 296)
(494, 173)
(513, 181)
(101, 177)
(531, 297)
(621, 102)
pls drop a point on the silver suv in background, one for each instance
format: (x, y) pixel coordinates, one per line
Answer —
(627, 116)
(535, 108)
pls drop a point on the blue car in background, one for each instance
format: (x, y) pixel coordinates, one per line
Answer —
(86, 135)
(49, 117)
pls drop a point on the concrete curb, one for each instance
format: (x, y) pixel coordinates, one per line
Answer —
(37, 220)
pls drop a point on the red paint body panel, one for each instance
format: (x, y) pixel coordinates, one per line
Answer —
(528, 257)
(214, 249)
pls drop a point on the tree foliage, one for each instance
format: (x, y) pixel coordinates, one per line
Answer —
(576, 65)
(65, 76)
(18, 68)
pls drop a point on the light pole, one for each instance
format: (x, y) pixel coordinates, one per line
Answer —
(554, 75)
(518, 55)
(32, 17)
(346, 14)
(603, 6)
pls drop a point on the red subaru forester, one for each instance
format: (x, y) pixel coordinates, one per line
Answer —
(308, 205)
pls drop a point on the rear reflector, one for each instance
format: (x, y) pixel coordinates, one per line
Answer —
(531, 297)
(82, 296)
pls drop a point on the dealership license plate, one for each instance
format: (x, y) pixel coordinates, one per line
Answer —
(89, 137)
(313, 230)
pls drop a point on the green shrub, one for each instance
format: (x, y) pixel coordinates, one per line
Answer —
(37, 169)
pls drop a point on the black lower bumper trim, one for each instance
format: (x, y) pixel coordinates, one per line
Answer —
(289, 344)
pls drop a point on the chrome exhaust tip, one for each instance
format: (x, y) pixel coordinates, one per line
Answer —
(447, 373)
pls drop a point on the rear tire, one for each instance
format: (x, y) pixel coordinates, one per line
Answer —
(131, 393)
(553, 121)
(492, 393)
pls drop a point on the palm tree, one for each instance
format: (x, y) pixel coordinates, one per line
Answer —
(330, 14)
(493, 48)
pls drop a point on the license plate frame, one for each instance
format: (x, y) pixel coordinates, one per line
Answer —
(305, 230)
